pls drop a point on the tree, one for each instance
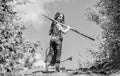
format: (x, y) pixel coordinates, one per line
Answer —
(106, 14)
(12, 44)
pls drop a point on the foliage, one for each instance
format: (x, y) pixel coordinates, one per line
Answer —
(106, 14)
(13, 46)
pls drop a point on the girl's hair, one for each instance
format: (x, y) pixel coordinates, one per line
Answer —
(57, 15)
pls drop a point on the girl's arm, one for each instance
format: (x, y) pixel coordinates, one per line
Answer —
(64, 28)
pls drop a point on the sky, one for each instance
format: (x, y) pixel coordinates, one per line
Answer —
(74, 45)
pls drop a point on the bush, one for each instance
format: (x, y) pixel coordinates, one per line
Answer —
(13, 46)
(105, 13)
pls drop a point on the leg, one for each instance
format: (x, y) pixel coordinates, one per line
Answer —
(58, 55)
(50, 55)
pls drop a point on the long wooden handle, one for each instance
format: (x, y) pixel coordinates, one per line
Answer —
(82, 34)
(70, 29)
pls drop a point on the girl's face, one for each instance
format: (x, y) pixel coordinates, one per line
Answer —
(60, 18)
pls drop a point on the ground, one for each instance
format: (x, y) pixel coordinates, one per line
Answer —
(37, 72)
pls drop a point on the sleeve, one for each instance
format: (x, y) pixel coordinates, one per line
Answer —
(64, 29)
(59, 26)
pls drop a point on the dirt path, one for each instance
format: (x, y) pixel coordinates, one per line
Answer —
(38, 72)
